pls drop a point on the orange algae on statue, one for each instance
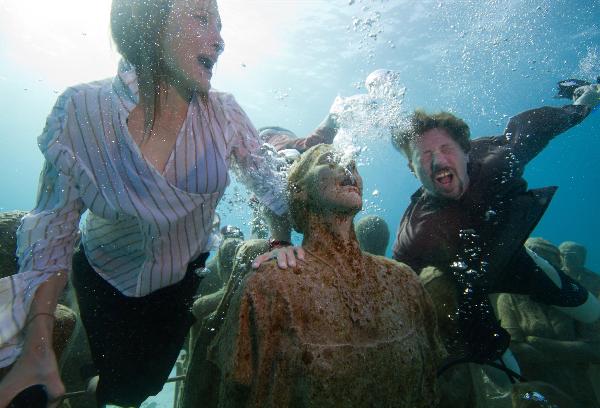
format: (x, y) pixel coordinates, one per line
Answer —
(357, 334)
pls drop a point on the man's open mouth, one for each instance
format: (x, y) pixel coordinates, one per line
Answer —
(444, 176)
(206, 62)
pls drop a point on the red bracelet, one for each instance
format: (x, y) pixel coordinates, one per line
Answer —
(275, 243)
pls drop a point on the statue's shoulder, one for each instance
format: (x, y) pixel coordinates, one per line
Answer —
(392, 264)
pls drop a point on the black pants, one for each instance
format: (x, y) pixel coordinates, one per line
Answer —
(524, 277)
(134, 341)
(484, 337)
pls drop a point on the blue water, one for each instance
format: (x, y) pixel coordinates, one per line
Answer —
(483, 60)
(285, 61)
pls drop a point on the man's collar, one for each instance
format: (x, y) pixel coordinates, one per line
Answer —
(427, 200)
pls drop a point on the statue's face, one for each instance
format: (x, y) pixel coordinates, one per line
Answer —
(572, 259)
(333, 185)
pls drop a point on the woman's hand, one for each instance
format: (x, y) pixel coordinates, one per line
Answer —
(286, 256)
(37, 362)
(29, 370)
(331, 121)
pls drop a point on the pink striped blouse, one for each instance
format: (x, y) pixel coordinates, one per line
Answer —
(141, 227)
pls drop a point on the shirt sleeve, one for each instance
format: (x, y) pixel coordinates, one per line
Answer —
(255, 167)
(47, 235)
(45, 239)
(529, 132)
(322, 134)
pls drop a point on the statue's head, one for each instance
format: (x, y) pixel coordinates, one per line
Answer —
(573, 255)
(545, 249)
(373, 234)
(323, 182)
(226, 257)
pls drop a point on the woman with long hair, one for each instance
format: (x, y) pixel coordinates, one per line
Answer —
(147, 155)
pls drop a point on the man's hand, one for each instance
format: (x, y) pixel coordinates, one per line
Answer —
(588, 95)
(286, 256)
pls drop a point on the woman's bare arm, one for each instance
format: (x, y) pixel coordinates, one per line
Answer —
(37, 363)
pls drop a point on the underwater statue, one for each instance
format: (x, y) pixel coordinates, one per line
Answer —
(342, 328)
(285, 147)
(473, 213)
(9, 222)
(373, 234)
(573, 256)
(222, 267)
(218, 268)
(126, 151)
(547, 343)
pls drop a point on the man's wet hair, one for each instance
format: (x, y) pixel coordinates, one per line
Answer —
(421, 121)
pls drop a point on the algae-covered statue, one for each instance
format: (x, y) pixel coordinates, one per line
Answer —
(573, 256)
(342, 328)
(548, 344)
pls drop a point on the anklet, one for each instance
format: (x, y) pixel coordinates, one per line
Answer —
(38, 314)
